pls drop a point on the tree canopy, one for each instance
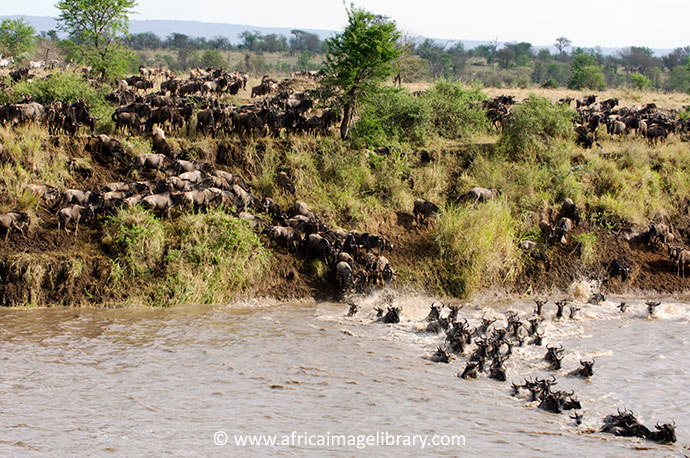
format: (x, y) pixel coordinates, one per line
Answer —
(359, 59)
(94, 26)
(16, 36)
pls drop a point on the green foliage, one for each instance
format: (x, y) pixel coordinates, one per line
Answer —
(679, 79)
(445, 110)
(359, 59)
(65, 87)
(550, 84)
(534, 126)
(393, 115)
(137, 240)
(453, 114)
(213, 58)
(639, 81)
(16, 37)
(587, 247)
(93, 27)
(211, 257)
(477, 246)
(588, 77)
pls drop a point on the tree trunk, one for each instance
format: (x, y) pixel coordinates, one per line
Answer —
(347, 117)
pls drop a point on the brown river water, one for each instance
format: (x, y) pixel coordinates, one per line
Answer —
(186, 381)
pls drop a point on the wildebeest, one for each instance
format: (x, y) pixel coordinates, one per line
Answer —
(343, 272)
(585, 371)
(151, 162)
(105, 147)
(14, 220)
(470, 370)
(480, 194)
(127, 120)
(625, 424)
(651, 307)
(160, 144)
(423, 209)
(441, 356)
(74, 213)
(163, 202)
(392, 315)
(285, 182)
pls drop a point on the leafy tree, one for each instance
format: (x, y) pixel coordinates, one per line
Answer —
(146, 40)
(220, 43)
(305, 41)
(588, 77)
(178, 41)
(94, 26)
(16, 36)
(505, 57)
(303, 60)
(523, 52)
(249, 39)
(639, 81)
(213, 58)
(679, 79)
(359, 59)
(438, 59)
(678, 56)
(561, 44)
(637, 59)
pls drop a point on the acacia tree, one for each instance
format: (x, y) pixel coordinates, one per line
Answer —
(561, 44)
(359, 59)
(95, 26)
(16, 36)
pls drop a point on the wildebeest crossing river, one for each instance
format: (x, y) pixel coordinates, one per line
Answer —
(150, 382)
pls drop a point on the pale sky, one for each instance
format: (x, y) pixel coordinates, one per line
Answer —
(657, 24)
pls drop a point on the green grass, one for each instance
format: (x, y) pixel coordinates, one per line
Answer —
(211, 257)
(477, 247)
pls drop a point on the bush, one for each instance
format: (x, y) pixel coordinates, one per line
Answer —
(213, 58)
(211, 257)
(393, 115)
(137, 239)
(65, 87)
(453, 114)
(639, 81)
(477, 247)
(445, 110)
(534, 125)
(588, 77)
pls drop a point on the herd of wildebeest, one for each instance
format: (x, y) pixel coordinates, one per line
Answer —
(488, 344)
(190, 184)
(647, 121)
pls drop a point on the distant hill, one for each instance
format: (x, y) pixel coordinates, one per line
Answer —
(163, 28)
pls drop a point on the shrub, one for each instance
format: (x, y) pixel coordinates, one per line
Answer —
(211, 257)
(587, 246)
(393, 115)
(534, 125)
(588, 77)
(477, 247)
(639, 81)
(137, 239)
(65, 87)
(453, 114)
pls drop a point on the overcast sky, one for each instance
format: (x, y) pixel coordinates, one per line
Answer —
(656, 24)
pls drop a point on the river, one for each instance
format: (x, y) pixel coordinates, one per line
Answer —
(186, 381)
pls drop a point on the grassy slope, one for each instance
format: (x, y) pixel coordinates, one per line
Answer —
(471, 247)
